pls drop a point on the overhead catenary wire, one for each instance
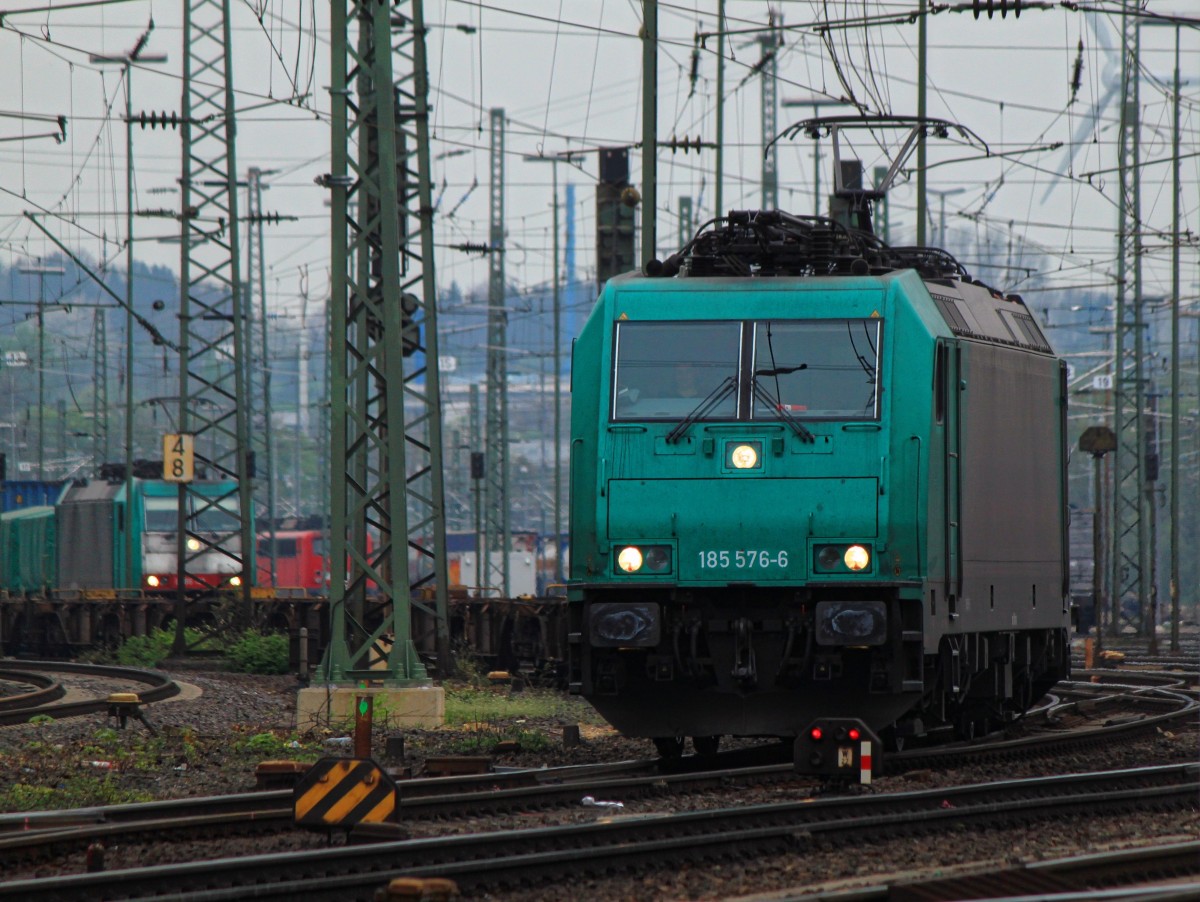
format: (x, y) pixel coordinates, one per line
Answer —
(543, 123)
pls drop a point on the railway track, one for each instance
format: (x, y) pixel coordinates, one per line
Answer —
(528, 857)
(45, 700)
(1174, 868)
(42, 835)
(24, 689)
(1136, 653)
(38, 835)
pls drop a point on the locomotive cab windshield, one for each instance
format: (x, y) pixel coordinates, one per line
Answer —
(162, 512)
(665, 370)
(747, 370)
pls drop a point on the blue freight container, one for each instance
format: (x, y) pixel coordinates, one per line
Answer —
(17, 494)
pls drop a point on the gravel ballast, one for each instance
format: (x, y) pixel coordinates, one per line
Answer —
(212, 736)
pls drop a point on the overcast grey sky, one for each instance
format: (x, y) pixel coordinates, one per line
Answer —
(568, 75)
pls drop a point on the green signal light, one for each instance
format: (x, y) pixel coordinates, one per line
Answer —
(362, 707)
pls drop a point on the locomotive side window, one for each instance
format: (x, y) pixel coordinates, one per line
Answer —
(817, 368)
(284, 548)
(665, 370)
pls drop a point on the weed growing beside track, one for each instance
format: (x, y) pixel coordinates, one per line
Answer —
(210, 740)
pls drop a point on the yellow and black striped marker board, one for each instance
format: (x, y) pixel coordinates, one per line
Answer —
(344, 792)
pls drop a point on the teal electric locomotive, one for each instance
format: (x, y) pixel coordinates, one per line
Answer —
(92, 531)
(817, 492)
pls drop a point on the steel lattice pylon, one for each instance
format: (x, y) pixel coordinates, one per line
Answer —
(387, 536)
(1130, 555)
(258, 375)
(100, 393)
(767, 81)
(211, 334)
(494, 576)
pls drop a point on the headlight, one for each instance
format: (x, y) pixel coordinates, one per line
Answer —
(153, 581)
(743, 457)
(841, 558)
(857, 558)
(235, 581)
(658, 558)
(644, 559)
(193, 544)
(630, 559)
(828, 557)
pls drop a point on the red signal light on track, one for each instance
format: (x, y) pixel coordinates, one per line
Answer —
(815, 733)
(854, 733)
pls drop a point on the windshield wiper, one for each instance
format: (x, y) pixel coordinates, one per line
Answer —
(762, 395)
(704, 408)
(782, 370)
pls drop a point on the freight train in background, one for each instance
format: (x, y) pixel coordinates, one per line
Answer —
(817, 492)
(84, 542)
(301, 561)
(66, 586)
(524, 633)
(79, 538)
